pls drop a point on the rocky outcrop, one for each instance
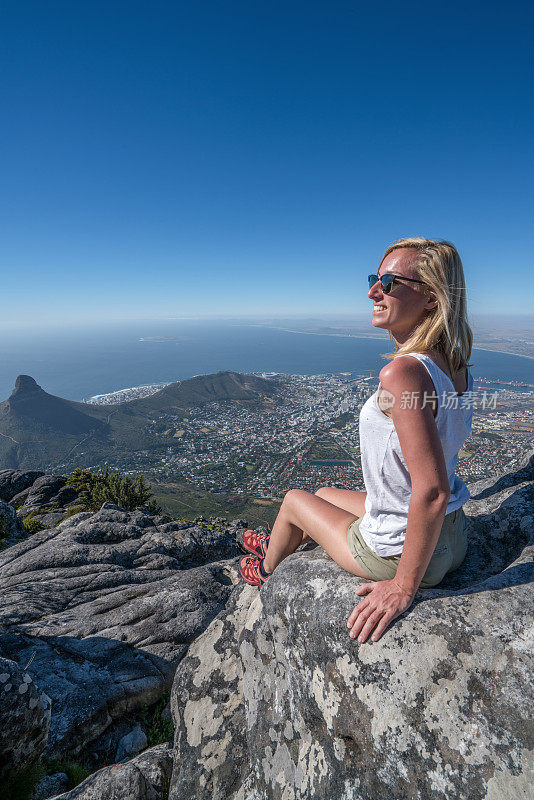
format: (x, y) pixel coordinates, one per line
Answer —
(47, 491)
(13, 481)
(438, 708)
(103, 607)
(145, 777)
(46, 499)
(271, 699)
(211, 752)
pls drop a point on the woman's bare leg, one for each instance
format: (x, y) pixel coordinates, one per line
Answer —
(324, 522)
(342, 498)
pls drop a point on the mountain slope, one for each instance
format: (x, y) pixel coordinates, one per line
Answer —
(30, 405)
(37, 428)
(204, 389)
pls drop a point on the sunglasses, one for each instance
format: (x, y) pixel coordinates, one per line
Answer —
(387, 280)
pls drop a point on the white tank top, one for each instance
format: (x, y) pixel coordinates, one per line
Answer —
(386, 477)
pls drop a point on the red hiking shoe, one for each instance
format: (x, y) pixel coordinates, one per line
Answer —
(256, 543)
(250, 572)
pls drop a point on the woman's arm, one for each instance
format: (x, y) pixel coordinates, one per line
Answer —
(423, 454)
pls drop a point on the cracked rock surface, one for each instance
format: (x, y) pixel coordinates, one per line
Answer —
(437, 708)
(211, 754)
(103, 607)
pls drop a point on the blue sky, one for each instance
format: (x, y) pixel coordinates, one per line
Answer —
(225, 158)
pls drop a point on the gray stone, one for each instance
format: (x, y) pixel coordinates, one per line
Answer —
(131, 744)
(145, 777)
(24, 721)
(211, 759)
(104, 607)
(50, 785)
(52, 518)
(438, 708)
(13, 481)
(11, 528)
(47, 490)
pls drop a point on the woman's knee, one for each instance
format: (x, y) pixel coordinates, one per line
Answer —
(294, 496)
(324, 492)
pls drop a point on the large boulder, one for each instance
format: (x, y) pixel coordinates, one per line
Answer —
(13, 481)
(102, 609)
(211, 754)
(47, 491)
(437, 708)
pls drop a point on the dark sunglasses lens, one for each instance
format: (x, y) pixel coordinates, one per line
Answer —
(387, 282)
(372, 280)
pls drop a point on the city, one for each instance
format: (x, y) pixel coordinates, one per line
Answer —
(308, 437)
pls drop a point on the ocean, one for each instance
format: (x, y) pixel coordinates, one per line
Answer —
(80, 363)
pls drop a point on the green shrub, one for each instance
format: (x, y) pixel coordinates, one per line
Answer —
(32, 523)
(20, 785)
(158, 729)
(74, 770)
(70, 512)
(95, 488)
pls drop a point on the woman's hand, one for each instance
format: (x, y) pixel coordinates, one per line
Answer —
(385, 601)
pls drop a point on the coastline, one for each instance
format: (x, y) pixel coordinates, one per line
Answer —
(378, 338)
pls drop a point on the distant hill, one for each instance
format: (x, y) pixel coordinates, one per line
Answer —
(42, 431)
(204, 389)
(29, 405)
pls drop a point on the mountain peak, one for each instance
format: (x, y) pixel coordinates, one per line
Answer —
(25, 383)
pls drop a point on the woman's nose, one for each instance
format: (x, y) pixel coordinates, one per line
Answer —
(375, 290)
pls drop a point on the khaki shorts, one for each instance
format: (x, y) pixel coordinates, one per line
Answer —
(449, 553)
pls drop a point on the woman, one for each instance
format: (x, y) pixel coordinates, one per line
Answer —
(408, 528)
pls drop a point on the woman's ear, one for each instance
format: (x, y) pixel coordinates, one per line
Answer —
(431, 301)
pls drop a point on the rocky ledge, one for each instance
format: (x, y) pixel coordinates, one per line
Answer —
(271, 699)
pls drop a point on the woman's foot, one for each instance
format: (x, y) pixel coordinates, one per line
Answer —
(252, 571)
(256, 543)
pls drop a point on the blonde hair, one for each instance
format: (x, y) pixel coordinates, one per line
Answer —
(444, 328)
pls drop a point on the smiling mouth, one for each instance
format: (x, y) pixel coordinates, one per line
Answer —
(379, 308)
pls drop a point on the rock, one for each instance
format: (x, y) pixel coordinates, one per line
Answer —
(51, 519)
(145, 777)
(50, 786)
(11, 528)
(239, 523)
(131, 744)
(436, 709)
(46, 491)
(105, 606)
(210, 748)
(13, 481)
(166, 712)
(25, 718)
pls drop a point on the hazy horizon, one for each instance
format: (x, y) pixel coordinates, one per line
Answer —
(518, 322)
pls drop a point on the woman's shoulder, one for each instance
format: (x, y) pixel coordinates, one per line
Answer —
(405, 373)
(408, 375)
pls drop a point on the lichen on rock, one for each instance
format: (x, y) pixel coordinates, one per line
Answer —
(437, 708)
